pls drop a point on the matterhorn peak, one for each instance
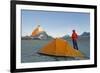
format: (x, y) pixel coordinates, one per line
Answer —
(40, 28)
(37, 30)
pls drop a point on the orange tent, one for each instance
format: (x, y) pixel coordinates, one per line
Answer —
(60, 47)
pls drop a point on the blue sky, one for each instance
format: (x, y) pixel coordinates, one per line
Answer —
(56, 24)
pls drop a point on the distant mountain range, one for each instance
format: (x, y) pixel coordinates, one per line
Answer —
(41, 36)
(84, 34)
(38, 33)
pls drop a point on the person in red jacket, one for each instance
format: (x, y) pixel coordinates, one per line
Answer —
(74, 39)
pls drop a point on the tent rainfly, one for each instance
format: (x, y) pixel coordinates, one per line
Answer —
(60, 47)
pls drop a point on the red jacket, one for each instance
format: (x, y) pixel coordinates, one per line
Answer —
(74, 36)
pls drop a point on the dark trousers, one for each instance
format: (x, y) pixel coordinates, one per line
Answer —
(75, 46)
